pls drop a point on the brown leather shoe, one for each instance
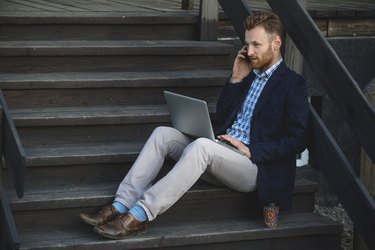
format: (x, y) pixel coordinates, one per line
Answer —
(122, 227)
(108, 213)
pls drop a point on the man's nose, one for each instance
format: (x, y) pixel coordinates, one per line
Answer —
(250, 51)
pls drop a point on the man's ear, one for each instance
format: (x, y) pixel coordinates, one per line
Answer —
(276, 43)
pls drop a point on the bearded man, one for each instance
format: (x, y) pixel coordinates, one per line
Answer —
(264, 113)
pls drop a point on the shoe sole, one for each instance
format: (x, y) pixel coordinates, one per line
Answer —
(117, 237)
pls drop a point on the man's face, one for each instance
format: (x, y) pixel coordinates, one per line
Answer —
(262, 48)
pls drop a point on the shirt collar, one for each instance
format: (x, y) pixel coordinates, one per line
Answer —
(269, 71)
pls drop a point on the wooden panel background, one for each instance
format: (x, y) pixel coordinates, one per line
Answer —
(162, 5)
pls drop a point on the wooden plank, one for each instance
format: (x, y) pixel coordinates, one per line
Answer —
(96, 31)
(335, 78)
(236, 12)
(6, 6)
(351, 27)
(175, 5)
(302, 231)
(81, 80)
(112, 47)
(325, 153)
(187, 4)
(367, 166)
(209, 16)
(61, 6)
(35, 5)
(323, 26)
(292, 56)
(142, 5)
(78, 6)
(13, 151)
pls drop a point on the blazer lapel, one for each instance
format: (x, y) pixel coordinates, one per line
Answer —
(268, 89)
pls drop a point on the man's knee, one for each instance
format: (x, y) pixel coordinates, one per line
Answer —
(162, 131)
(202, 145)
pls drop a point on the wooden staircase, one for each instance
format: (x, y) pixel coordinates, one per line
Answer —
(85, 92)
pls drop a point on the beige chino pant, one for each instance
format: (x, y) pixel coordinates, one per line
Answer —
(194, 157)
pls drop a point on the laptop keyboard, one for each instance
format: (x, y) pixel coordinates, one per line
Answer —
(228, 145)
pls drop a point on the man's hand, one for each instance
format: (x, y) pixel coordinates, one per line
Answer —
(236, 143)
(241, 66)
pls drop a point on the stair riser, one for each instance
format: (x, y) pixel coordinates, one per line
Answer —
(92, 134)
(97, 32)
(190, 207)
(52, 98)
(122, 133)
(43, 177)
(106, 63)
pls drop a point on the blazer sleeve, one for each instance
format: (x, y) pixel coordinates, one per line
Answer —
(293, 139)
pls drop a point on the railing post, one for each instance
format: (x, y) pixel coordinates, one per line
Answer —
(367, 172)
(292, 56)
(209, 16)
(187, 4)
(1, 142)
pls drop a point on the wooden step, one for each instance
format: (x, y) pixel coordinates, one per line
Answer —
(75, 89)
(98, 25)
(42, 205)
(91, 125)
(297, 231)
(112, 55)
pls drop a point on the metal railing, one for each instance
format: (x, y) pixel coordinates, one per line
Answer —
(14, 155)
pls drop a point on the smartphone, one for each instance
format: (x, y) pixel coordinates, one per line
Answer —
(247, 59)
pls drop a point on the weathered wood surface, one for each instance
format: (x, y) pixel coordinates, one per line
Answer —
(332, 73)
(367, 166)
(209, 17)
(325, 153)
(160, 5)
(301, 230)
(292, 56)
(350, 27)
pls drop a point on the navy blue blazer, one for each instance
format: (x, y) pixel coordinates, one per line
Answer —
(278, 131)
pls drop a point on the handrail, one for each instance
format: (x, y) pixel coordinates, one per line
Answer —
(339, 84)
(13, 152)
(12, 149)
(344, 91)
(355, 198)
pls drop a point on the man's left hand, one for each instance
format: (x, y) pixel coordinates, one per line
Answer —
(236, 143)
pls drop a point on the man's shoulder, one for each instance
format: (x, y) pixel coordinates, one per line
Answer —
(289, 75)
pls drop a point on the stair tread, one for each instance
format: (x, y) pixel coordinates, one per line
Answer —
(90, 115)
(101, 115)
(112, 47)
(65, 80)
(82, 153)
(179, 233)
(98, 17)
(99, 194)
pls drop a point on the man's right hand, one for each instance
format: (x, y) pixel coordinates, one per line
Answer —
(241, 66)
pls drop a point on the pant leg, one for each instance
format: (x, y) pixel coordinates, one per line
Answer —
(162, 142)
(230, 168)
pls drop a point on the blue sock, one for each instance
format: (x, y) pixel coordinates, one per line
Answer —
(139, 213)
(120, 207)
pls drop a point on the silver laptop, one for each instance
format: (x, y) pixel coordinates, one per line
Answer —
(190, 116)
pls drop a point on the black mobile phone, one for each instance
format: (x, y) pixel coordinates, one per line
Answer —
(247, 59)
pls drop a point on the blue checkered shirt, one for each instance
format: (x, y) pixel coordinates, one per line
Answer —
(241, 126)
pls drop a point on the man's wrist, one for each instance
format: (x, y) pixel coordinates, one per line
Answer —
(235, 80)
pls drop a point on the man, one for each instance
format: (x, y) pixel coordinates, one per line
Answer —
(264, 111)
